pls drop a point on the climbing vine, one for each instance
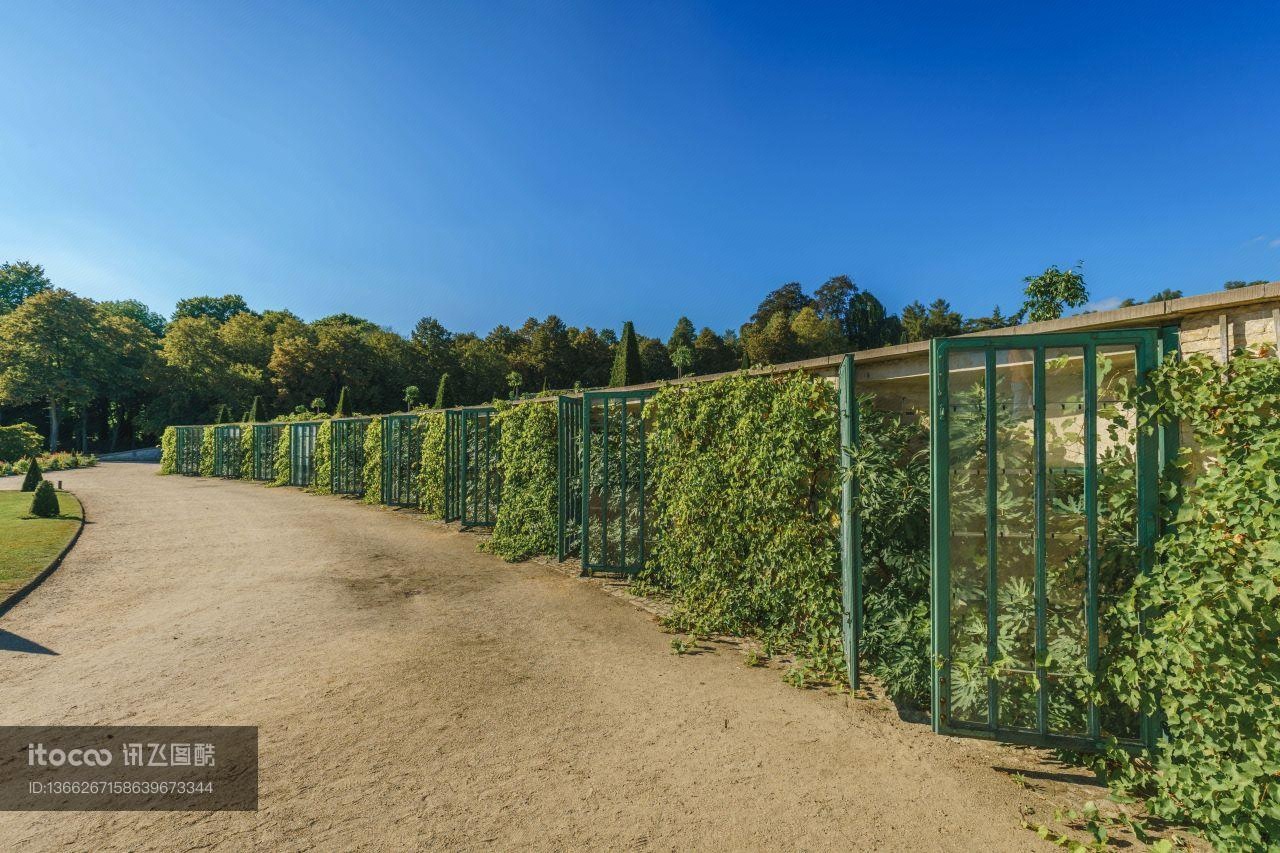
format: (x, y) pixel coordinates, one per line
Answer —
(527, 515)
(283, 460)
(1209, 662)
(206, 451)
(372, 473)
(323, 459)
(169, 450)
(431, 468)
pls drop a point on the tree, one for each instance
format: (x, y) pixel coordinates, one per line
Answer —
(135, 310)
(49, 352)
(681, 336)
(868, 325)
(411, 396)
(788, 299)
(711, 354)
(772, 343)
(513, 383)
(219, 309)
(33, 477)
(442, 392)
(317, 405)
(682, 358)
(655, 359)
(19, 441)
(341, 410)
(995, 320)
(1236, 285)
(1052, 292)
(223, 415)
(627, 369)
(257, 413)
(936, 321)
(831, 300)
(19, 281)
(815, 335)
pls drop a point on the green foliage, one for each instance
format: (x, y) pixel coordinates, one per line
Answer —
(19, 440)
(20, 280)
(246, 451)
(1209, 658)
(528, 513)
(257, 413)
(33, 477)
(626, 360)
(206, 452)
(323, 459)
(342, 410)
(219, 309)
(411, 397)
(431, 468)
(891, 465)
(1053, 291)
(283, 458)
(442, 392)
(372, 473)
(746, 508)
(168, 450)
(45, 502)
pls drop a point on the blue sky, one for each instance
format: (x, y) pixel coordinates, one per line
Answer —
(483, 162)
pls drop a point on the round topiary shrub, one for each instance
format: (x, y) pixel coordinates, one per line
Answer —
(33, 478)
(45, 502)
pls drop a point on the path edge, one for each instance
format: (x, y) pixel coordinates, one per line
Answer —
(15, 598)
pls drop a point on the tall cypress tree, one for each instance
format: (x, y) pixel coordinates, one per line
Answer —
(256, 412)
(340, 410)
(222, 417)
(442, 392)
(626, 359)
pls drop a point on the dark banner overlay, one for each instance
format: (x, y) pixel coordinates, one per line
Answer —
(128, 768)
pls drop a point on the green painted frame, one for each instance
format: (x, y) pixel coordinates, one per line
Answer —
(1147, 450)
(302, 453)
(452, 465)
(346, 455)
(401, 459)
(479, 477)
(850, 524)
(266, 438)
(606, 400)
(227, 456)
(568, 476)
(187, 449)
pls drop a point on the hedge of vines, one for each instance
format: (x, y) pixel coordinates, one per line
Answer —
(206, 452)
(1210, 659)
(246, 452)
(283, 458)
(431, 465)
(324, 459)
(527, 517)
(169, 450)
(745, 512)
(371, 476)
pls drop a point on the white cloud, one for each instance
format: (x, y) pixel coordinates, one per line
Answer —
(1109, 304)
(1274, 244)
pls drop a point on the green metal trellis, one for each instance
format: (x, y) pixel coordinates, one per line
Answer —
(569, 476)
(850, 527)
(1044, 502)
(187, 442)
(452, 464)
(346, 445)
(266, 438)
(613, 482)
(302, 453)
(479, 477)
(401, 459)
(227, 455)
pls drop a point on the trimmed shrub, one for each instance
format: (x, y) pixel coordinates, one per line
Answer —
(627, 368)
(342, 410)
(527, 515)
(372, 473)
(745, 509)
(33, 477)
(431, 467)
(323, 459)
(18, 440)
(45, 502)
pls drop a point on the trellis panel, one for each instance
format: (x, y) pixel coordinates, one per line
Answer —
(266, 438)
(479, 475)
(401, 459)
(227, 455)
(187, 443)
(347, 455)
(614, 489)
(302, 454)
(569, 477)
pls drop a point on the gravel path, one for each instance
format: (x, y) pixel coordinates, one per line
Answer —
(415, 693)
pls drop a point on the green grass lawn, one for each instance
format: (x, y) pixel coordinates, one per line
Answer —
(27, 545)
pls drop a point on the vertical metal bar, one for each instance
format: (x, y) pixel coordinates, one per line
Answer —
(604, 486)
(584, 488)
(1042, 691)
(1091, 520)
(849, 563)
(1148, 497)
(993, 579)
(643, 474)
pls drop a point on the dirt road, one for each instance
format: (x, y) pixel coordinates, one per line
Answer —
(414, 693)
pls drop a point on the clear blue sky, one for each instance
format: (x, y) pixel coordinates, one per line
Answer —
(483, 162)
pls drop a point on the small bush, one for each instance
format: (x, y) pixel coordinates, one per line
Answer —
(45, 502)
(323, 457)
(34, 477)
(169, 450)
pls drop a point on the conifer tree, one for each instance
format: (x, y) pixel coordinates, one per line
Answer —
(340, 410)
(45, 502)
(442, 392)
(256, 411)
(34, 477)
(626, 360)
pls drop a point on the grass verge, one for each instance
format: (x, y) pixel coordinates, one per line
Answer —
(30, 544)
